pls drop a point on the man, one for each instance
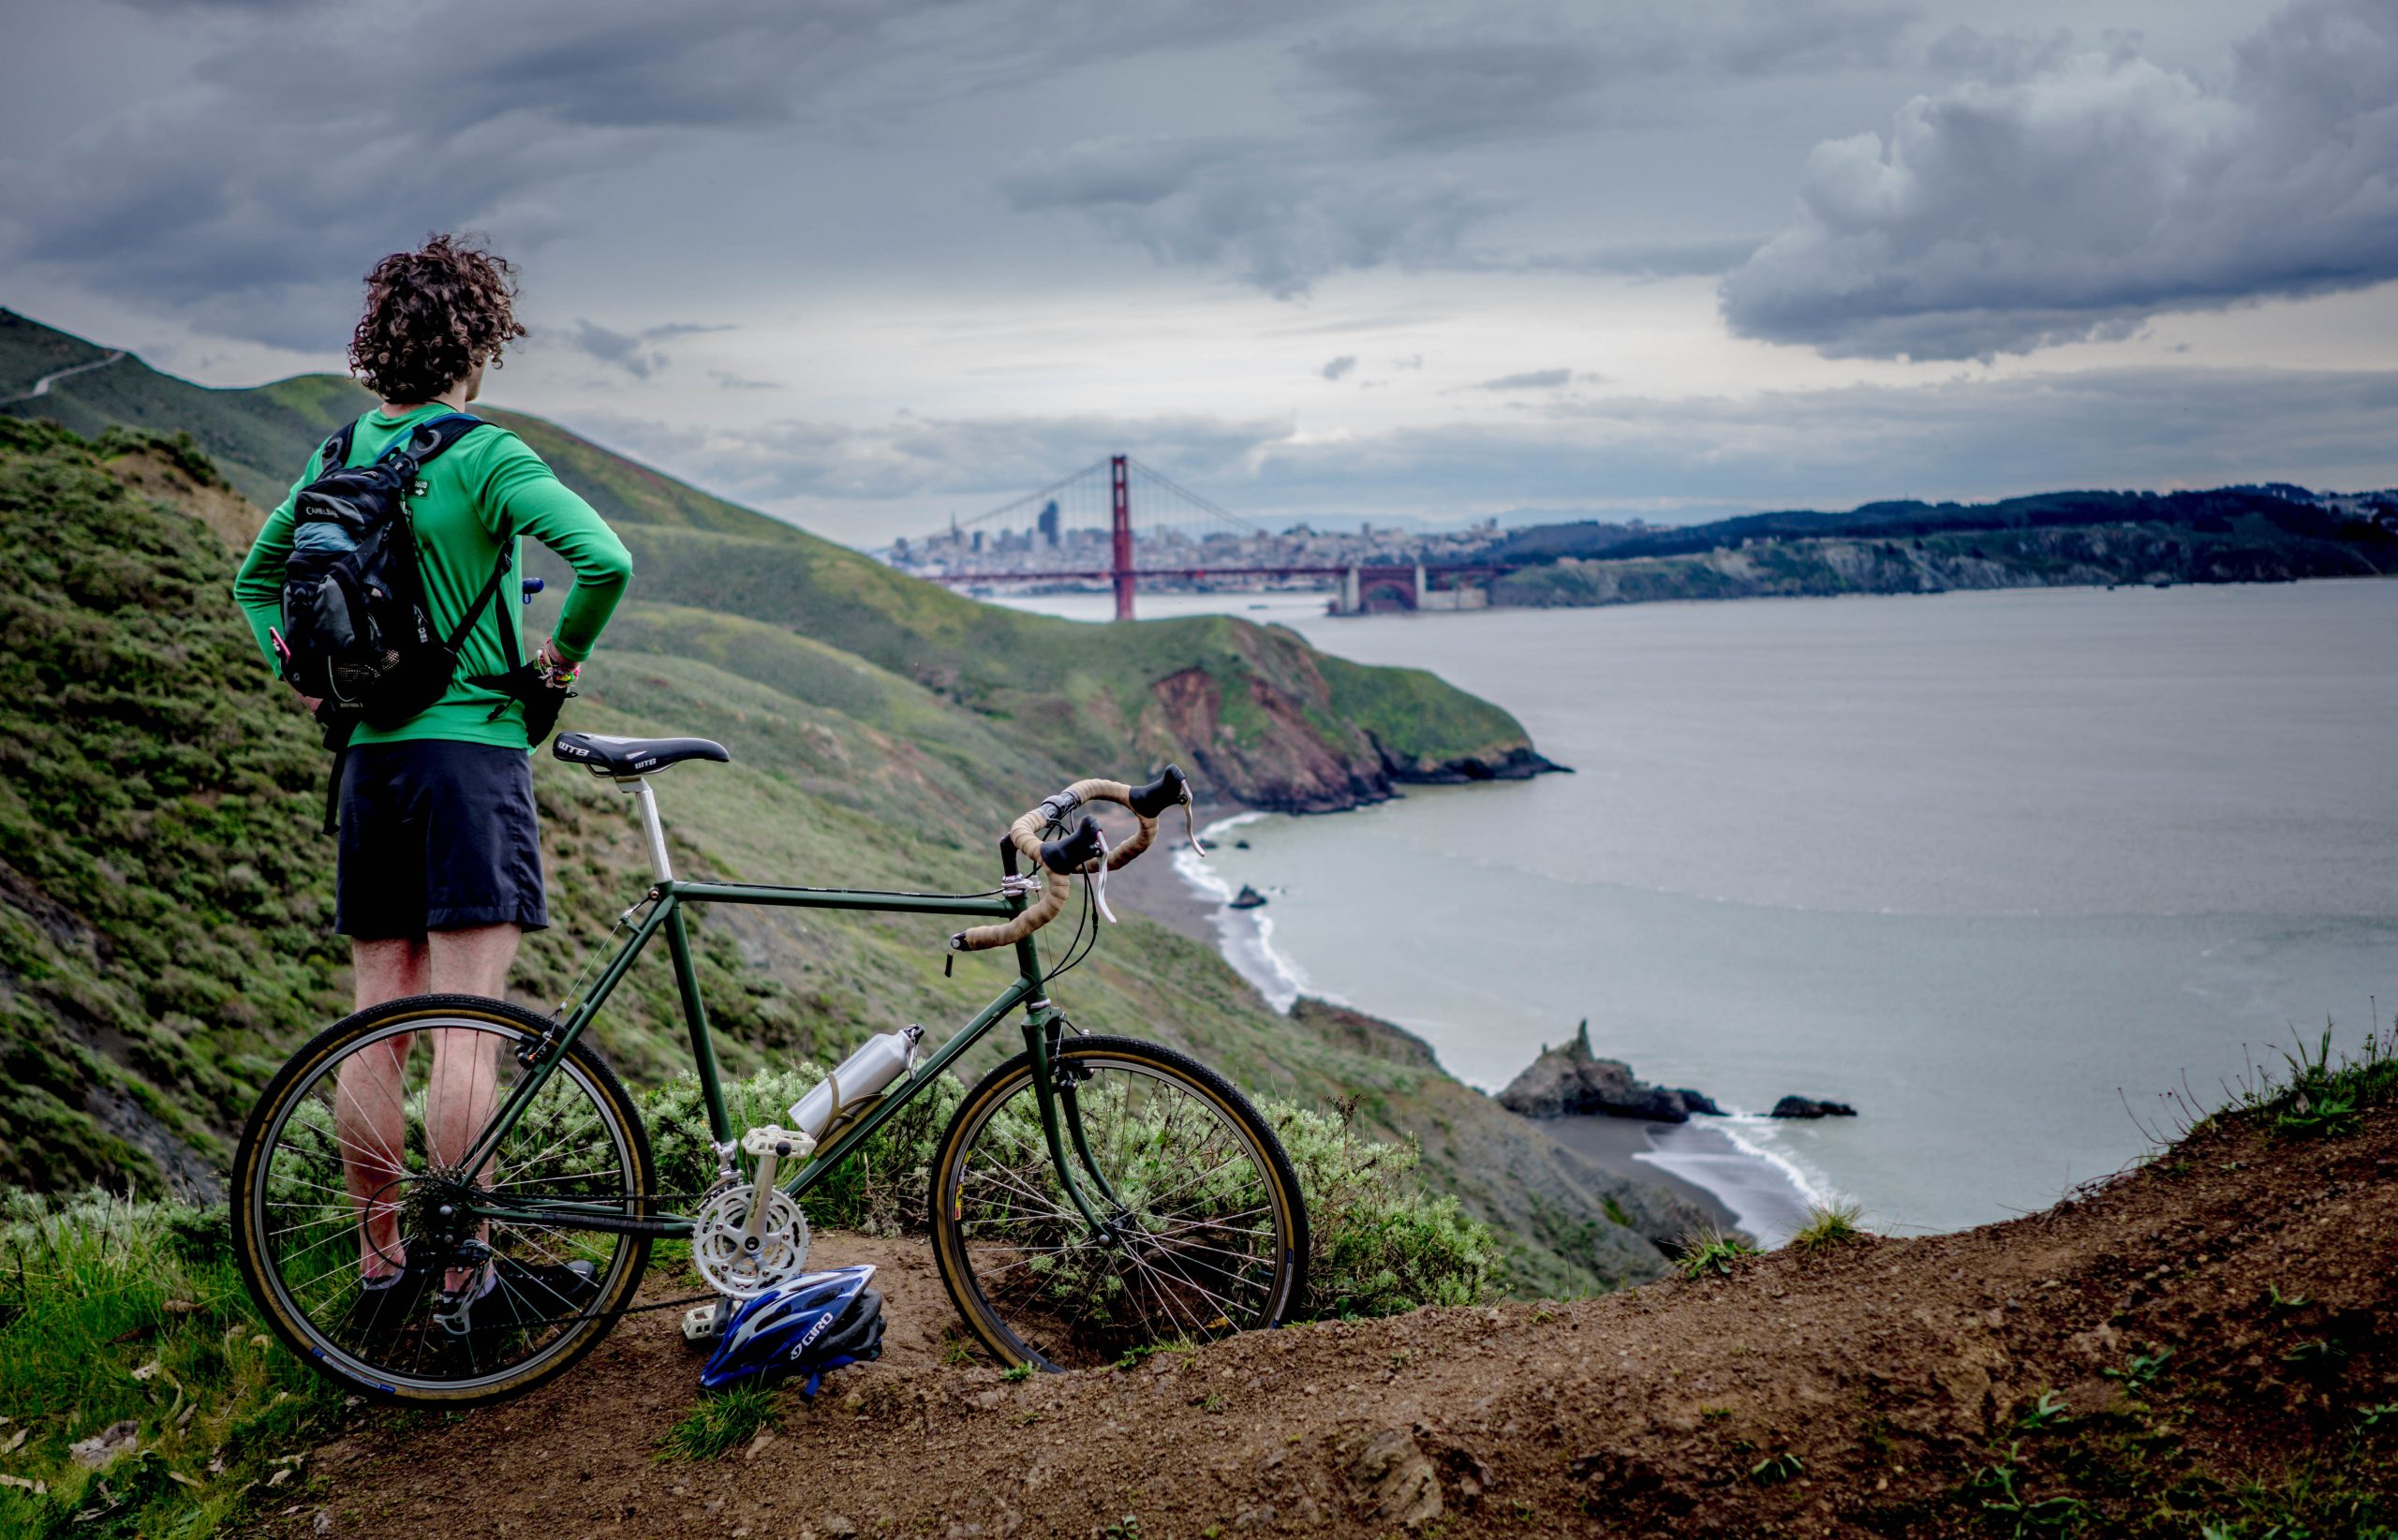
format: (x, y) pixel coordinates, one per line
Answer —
(440, 860)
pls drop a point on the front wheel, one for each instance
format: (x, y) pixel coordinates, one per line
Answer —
(1203, 1232)
(390, 1270)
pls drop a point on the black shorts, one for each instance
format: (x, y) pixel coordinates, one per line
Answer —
(436, 835)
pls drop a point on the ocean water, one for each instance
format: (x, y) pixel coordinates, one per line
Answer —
(1998, 868)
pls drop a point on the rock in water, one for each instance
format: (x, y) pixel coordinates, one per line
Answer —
(1807, 1106)
(1249, 898)
(1571, 1079)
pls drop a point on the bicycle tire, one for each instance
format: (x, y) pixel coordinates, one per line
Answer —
(1062, 1328)
(255, 1170)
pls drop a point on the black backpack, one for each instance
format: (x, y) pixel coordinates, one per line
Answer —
(356, 631)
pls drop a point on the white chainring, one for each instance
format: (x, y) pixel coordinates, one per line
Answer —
(720, 1248)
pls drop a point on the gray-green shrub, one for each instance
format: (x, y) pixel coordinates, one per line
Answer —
(1377, 1244)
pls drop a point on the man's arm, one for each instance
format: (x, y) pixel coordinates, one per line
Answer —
(519, 489)
(257, 588)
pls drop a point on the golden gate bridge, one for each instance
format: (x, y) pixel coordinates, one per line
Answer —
(1180, 536)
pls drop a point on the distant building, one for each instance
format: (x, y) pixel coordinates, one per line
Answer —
(1049, 523)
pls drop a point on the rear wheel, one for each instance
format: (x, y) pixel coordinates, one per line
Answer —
(345, 1175)
(1204, 1233)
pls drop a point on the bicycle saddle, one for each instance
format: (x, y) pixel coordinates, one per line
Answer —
(605, 756)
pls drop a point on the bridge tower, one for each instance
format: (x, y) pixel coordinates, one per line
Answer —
(1121, 494)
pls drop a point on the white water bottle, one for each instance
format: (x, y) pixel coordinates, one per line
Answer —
(883, 1059)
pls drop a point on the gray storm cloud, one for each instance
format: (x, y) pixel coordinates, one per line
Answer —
(2086, 195)
(253, 202)
(1514, 73)
(1276, 215)
(249, 202)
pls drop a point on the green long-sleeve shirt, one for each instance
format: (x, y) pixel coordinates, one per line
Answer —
(487, 479)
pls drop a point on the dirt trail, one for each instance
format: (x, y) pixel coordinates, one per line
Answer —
(1887, 1373)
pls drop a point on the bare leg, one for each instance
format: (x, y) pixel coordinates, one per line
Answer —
(463, 1091)
(369, 1119)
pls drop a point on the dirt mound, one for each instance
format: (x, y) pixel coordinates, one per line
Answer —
(2210, 1337)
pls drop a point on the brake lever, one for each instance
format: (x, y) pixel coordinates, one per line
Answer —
(1099, 881)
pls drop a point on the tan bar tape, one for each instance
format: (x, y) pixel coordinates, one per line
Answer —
(1024, 834)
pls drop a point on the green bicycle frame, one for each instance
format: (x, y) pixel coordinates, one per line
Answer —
(1044, 1026)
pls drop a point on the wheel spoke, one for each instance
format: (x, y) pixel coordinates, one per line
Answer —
(1195, 1245)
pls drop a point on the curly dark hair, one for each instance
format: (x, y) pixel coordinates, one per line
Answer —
(432, 315)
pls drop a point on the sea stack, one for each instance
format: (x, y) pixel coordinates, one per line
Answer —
(1571, 1080)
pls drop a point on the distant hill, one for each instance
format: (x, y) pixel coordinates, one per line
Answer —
(2244, 534)
(2293, 508)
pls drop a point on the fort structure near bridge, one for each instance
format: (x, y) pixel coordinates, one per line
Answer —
(1163, 536)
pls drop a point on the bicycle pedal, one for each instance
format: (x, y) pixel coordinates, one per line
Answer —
(699, 1323)
(759, 1141)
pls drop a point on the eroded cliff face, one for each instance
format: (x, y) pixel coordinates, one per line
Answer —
(1282, 763)
(1277, 737)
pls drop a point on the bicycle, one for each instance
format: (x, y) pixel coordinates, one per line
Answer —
(1091, 1196)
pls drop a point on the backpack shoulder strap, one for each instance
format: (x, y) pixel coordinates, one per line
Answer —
(434, 435)
(336, 453)
(490, 590)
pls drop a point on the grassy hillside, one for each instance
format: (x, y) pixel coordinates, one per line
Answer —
(29, 350)
(164, 893)
(259, 438)
(1256, 713)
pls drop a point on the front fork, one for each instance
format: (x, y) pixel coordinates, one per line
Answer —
(1055, 1079)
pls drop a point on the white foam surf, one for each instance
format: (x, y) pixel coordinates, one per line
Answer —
(1245, 937)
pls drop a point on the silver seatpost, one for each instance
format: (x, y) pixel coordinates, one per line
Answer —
(661, 868)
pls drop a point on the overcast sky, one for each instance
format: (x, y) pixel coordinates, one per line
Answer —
(871, 263)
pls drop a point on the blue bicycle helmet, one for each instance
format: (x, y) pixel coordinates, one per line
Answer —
(813, 1323)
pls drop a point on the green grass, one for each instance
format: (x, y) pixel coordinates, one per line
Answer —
(1829, 1227)
(2141, 1368)
(1709, 1250)
(2320, 1092)
(2043, 1415)
(118, 1310)
(722, 1422)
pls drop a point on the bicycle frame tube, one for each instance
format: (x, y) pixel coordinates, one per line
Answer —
(666, 900)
